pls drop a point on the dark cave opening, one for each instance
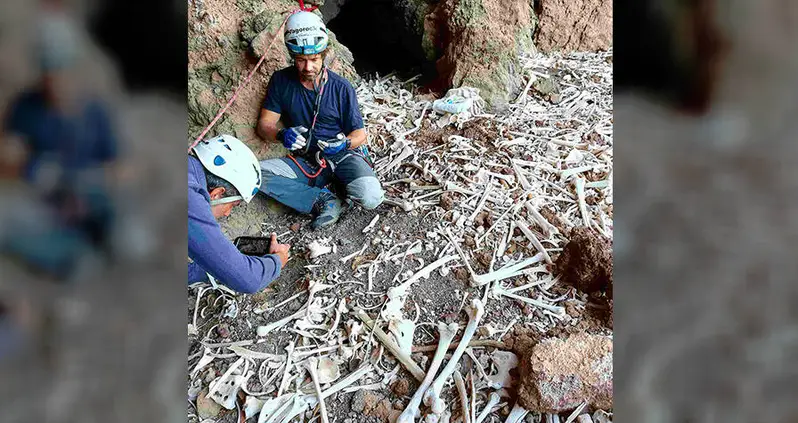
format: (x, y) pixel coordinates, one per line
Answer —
(384, 36)
(151, 56)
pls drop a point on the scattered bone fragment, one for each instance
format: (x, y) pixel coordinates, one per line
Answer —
(403, 331)
(493, 400)
(252, 406)
(505, 362)
(601, 416)
(461, 392)
(224, 389)
(517, 414)
(577, 411)
(403, 358)
(319, 248)
(370, 227)
(262, 331)
(533, 239)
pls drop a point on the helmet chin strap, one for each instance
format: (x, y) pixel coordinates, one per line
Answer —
(225, 200)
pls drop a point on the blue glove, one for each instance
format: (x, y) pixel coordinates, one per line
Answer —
(292, 138)
(335, 145)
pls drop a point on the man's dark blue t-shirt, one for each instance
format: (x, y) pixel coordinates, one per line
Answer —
(76, 143)
(339, 111)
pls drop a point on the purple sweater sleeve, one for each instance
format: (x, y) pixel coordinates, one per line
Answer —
(196, 273)
(214, 253)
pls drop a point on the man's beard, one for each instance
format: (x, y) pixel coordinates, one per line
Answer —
(309, 76)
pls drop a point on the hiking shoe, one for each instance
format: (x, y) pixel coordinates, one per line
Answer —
(326, 210)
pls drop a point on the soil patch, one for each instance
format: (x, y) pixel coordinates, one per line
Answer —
(586, 261)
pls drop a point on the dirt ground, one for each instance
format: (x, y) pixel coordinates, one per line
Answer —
(439, 298)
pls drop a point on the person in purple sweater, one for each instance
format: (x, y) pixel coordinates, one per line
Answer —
(222, 172)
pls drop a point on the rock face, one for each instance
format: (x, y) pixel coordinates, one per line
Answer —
(479, 42)
(573, 25)
(557, 375)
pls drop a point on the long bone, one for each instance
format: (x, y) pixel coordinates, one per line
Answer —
(312, 365)
(432, 397)
(446, 335)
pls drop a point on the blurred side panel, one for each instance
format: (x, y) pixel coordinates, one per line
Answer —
(92, 210)
(706, 195)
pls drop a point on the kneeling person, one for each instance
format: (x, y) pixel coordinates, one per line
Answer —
(221, 173)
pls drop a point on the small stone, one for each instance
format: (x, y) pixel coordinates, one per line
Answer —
(348, 420)
(484, 258)
(206, 407)
(354, 364)
(483, 331)
(210, 375)
(483, 219)
(295, 227)
(469, 242)
(460, 273)
(400, 387)
(359, 402)
(447, 201)
(223, 330)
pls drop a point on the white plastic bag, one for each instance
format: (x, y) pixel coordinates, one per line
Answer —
(453, 104)
(459, 100)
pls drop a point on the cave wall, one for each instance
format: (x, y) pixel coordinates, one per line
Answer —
(456, 42)
(573, 25)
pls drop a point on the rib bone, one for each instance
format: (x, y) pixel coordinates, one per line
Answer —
(432, 397)
(446, 335)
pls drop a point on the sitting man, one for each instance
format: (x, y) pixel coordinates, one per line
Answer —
(323, 131)
(222, 172)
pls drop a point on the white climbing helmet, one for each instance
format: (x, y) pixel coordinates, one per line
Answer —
(305, 33)
(230, 159)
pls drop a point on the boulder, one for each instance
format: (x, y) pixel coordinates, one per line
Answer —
(558, 374)
(480, 41)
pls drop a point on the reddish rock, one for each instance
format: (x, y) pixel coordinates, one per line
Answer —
(574, 25)
(558, 374)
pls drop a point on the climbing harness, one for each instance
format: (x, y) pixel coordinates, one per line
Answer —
(322, 163)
